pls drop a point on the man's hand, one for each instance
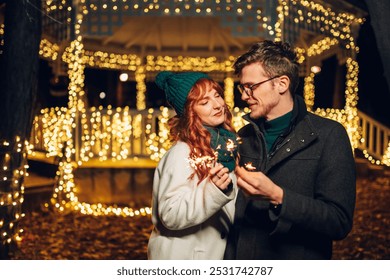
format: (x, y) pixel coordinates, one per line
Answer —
(256, 184)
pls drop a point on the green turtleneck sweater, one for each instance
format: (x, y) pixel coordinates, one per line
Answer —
(274, 128)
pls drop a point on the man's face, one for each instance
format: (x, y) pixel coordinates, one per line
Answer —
(263, 99)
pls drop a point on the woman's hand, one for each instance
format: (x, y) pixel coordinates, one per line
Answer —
(219, 175)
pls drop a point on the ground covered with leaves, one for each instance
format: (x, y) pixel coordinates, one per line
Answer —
(73, 236)
(370, 235)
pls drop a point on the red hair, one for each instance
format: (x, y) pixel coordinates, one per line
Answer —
(189, 128)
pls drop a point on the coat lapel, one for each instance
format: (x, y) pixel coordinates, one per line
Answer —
(302, 137)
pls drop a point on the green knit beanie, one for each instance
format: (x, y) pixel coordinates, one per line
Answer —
(177, 86)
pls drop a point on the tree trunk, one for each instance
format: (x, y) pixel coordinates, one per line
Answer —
(379, 11)
(18, 89)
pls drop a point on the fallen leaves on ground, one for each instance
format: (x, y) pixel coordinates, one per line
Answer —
(73, 236)
(370, 235)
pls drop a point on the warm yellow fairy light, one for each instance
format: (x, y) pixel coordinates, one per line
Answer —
(229, 91)
(321, 46)
(338, 25)
(48, 49)
(141, 87)
(280, 20)
(180, 63)
(55, 129)
(386, 156)
(237, 120)
(12, 198)
(158, 143)
(309, 91)
(109, 133)
(101, 59)
(300, 54)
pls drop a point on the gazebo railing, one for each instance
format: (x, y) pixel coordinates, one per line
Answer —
(97, 133)
(128, 133)
(375, 136)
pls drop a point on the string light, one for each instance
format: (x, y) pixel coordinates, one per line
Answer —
(180, 63)
(141, 87)
(13, 154)
(48, 49)
(300, 54)
(321, 46)
(309, 90)
(107, 60)
(386, 156)
(158, 144)
(229, 91)
(310, 14)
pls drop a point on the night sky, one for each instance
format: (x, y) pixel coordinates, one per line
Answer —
(374, 93)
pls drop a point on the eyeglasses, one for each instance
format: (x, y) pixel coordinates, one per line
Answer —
(249, 89)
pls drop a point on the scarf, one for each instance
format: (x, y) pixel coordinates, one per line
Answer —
(224, 142)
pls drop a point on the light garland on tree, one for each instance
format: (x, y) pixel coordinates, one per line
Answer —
(13, 156)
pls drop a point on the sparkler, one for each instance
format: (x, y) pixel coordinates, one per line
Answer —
(204, 161)
(209, 161)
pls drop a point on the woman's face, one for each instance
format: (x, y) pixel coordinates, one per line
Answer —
(211, 108)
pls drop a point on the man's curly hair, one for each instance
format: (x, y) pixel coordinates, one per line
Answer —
(277, 59)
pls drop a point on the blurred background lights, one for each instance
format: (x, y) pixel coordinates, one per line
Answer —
(315, 69)
(123, 77)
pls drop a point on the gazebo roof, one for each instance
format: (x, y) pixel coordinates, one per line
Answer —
(192, 28)
(172, 36)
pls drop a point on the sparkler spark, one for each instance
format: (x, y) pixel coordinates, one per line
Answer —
(197, 161)
(205, 161)
(230, 145)
(248, 166)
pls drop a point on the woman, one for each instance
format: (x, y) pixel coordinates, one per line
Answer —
(194, 186)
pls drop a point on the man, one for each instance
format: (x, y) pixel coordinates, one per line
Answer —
(297, 173)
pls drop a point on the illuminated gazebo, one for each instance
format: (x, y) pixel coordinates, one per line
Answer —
(142, 37)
